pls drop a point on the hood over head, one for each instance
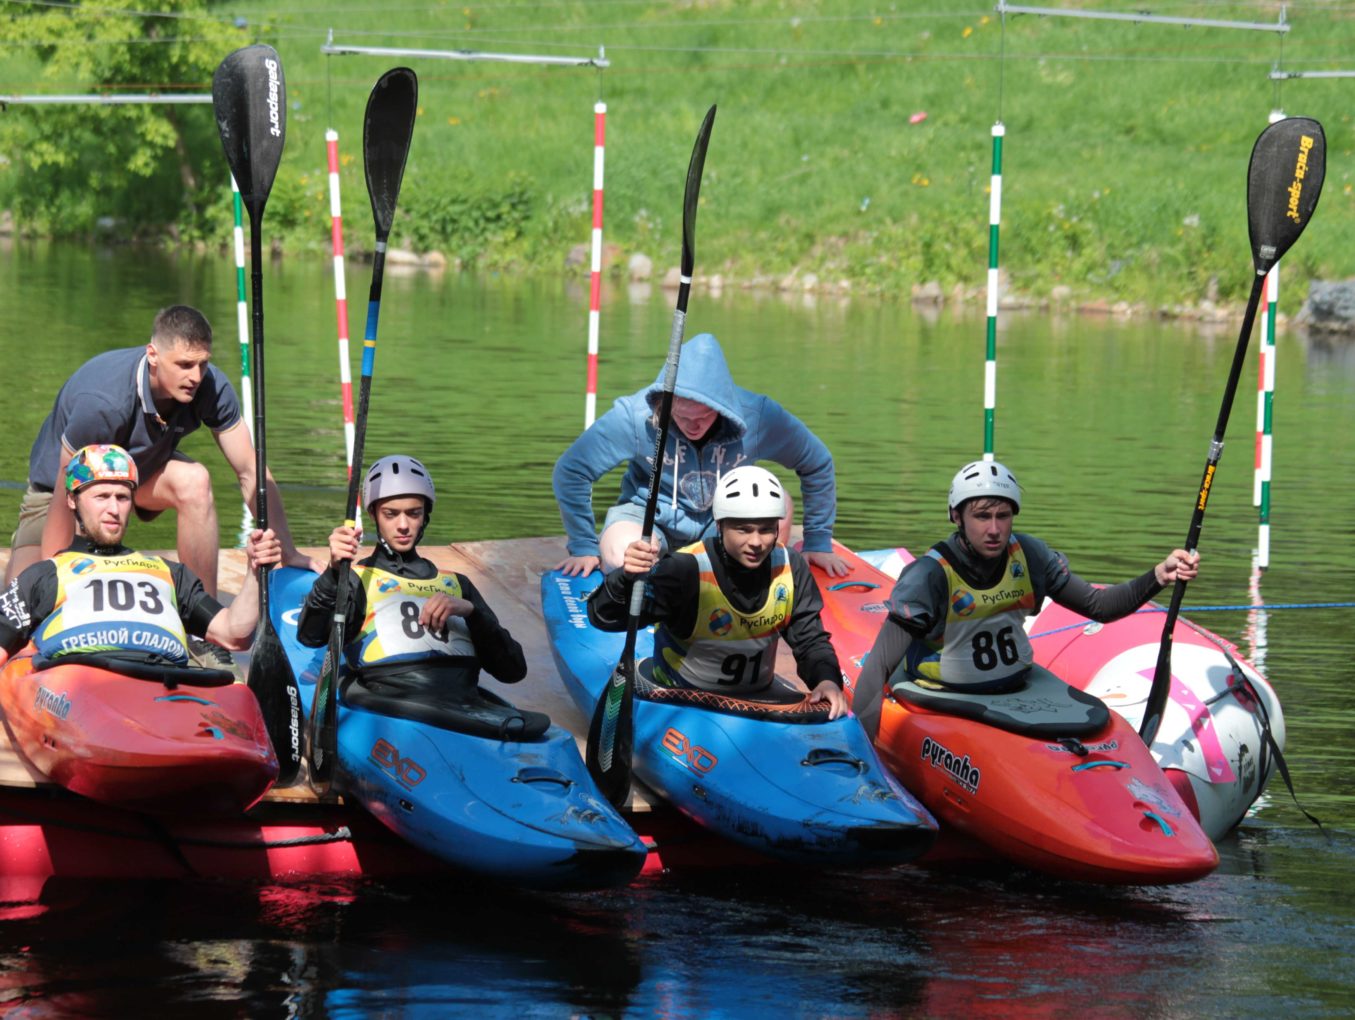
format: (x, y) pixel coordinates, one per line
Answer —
(704, 376)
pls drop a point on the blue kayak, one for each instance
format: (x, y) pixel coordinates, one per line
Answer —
(521, 809)
(775, 777)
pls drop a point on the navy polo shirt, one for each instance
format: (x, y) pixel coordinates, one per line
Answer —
(108, 400)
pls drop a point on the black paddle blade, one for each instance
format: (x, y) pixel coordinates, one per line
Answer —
(386, 132)
(695, 168)
(1288, 165)
(249, 97)
(322, 734)
(611, 734)
(274, 685)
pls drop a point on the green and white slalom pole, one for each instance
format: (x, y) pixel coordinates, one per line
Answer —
(242, 311)
(242, 327)
(1265, 410)
(990, 363)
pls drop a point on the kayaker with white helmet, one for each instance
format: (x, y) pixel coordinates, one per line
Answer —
(723, 604)
(719, 426)
(410, 626)
(956, 614)
(100, 597)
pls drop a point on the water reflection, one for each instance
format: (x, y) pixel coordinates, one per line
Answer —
(1107, 423)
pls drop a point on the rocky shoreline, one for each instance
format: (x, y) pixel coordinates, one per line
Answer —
(1329, 306)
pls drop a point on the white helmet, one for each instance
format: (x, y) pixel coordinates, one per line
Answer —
(985, 479)
(749, 493)
(397, 475)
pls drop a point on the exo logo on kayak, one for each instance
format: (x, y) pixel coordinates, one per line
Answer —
(406, 771)
(696, 758)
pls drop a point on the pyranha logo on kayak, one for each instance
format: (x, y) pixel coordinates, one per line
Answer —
(50, 701)
(962, 770)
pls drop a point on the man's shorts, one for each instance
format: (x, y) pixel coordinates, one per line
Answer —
(32, 518)
(635, 514)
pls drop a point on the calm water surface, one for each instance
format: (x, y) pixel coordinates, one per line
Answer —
(1106, 423)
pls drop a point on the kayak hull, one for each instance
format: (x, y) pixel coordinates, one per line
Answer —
(137, 743)
(1222, 722)
(1107, 816)
(524, 812)
(810, 793)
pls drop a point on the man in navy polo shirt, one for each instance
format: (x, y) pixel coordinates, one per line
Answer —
(146, 399)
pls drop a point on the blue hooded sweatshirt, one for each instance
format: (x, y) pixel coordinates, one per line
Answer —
(751, 428)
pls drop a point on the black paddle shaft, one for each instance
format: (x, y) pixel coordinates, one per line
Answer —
(610, 733)
(1284, 181)
(387, 130)
(249, 98)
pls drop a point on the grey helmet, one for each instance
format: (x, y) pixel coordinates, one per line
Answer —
(397, 475)
(984, 479)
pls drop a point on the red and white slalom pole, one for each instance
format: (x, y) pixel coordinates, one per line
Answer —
(595, 283)
(340, 293)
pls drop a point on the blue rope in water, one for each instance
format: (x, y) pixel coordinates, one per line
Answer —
(1208, 609)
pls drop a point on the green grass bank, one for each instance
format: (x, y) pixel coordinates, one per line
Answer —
(1124, 159)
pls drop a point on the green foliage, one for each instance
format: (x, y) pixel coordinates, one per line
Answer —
(138, 166)
(1125, 152)
(481, 221)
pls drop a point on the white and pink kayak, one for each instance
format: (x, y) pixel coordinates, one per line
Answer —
(1222, 723)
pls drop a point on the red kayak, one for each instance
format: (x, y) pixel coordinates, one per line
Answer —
(156, 742)
(1047, 776)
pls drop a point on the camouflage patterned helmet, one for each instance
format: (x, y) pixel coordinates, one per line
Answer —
(100, 462)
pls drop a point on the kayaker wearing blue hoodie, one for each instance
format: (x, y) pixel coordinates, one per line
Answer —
(720, 426)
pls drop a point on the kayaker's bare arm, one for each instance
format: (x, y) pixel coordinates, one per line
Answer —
(233, 627)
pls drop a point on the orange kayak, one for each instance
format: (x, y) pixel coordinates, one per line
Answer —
(1046, 777)
(160, 744)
